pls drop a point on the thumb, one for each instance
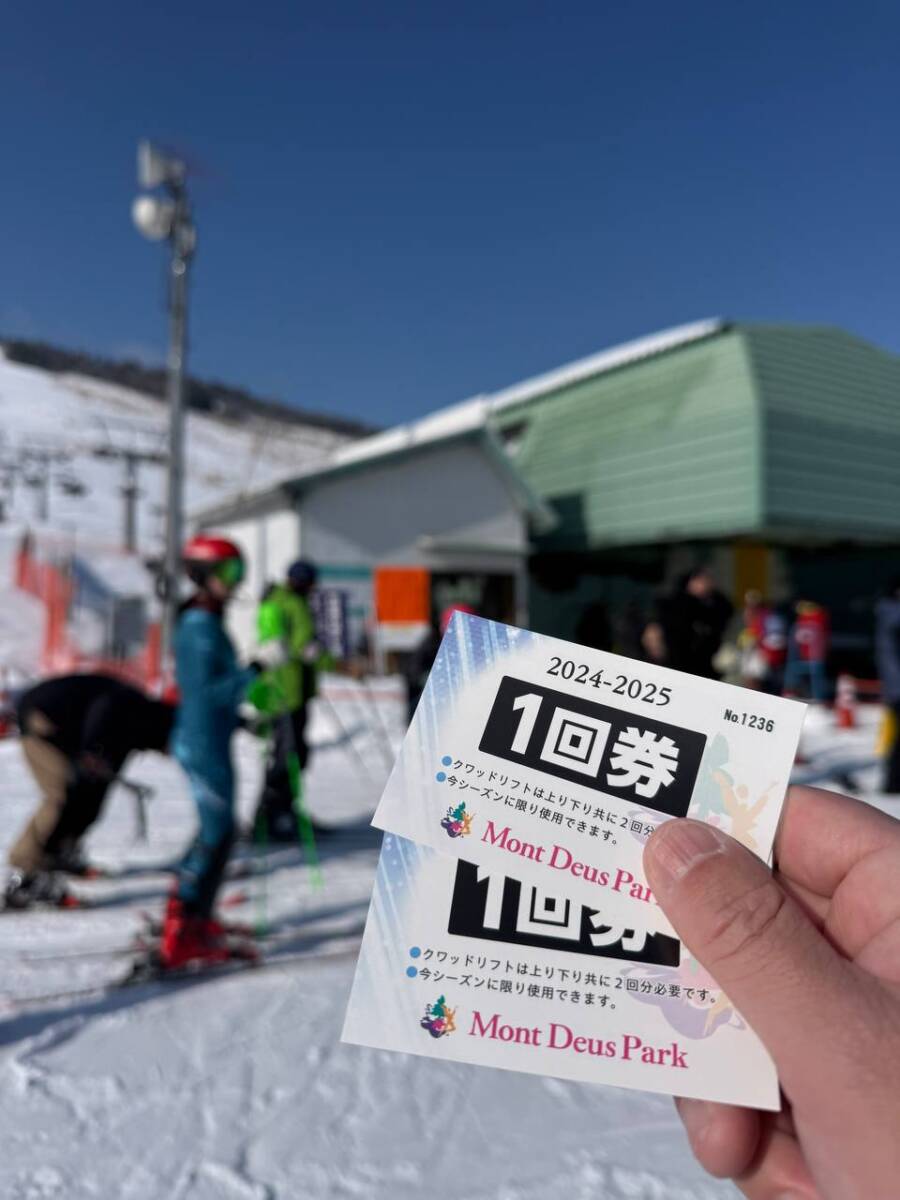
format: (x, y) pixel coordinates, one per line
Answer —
(759, 946)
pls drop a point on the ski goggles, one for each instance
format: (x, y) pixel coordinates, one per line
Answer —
(230, 571)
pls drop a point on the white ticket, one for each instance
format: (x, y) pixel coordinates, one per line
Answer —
(555, 762)
(460, 962)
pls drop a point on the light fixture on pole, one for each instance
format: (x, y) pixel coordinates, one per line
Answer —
(159, 217)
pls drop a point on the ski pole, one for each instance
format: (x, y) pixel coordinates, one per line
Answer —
(346, 738)
(261, 838)
(304, 824)
(385, 746)
(305, 834)
(141, 792)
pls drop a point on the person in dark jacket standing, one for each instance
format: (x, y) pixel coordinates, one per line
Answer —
(211, 684)
(887, 656)
(77, 731)
(693, 620)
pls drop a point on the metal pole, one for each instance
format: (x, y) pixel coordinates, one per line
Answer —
(43, 488)
(130, 495)
(182, 240)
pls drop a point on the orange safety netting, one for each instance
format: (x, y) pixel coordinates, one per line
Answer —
(50, 583)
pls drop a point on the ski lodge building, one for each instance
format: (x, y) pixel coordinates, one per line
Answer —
(771, 452)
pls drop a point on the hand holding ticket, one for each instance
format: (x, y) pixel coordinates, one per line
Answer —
(512, 922)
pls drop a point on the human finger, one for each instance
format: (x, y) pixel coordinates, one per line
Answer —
(822, 835)
(779, 1171)
(867, 901)
(723, 1137)
(788, 982)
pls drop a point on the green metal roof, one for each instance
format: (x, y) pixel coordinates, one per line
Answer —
(753, 429)
(831, 432)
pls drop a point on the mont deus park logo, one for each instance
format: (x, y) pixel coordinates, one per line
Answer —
(457, 823)
(438, 1019)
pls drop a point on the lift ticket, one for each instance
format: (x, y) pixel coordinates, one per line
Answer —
(463, 962)
(555, 763)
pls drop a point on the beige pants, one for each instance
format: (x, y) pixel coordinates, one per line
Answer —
(51, 770)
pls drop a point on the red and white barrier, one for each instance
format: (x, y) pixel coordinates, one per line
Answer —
(845, 702)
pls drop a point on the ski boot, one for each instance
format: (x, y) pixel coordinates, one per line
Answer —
(282, 828)
(189, 939)
(70, 860)
(36, 889)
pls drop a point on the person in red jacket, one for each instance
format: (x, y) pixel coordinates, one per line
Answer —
(808, 649)
(763, 643)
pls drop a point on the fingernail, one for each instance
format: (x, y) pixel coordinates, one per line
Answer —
(679, 846)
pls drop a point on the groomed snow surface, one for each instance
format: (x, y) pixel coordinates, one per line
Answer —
(236, 1088)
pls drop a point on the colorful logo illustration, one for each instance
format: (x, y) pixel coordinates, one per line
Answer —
(438, 1019)
(458, 822)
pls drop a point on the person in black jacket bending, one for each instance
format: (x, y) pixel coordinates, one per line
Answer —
(76, 732)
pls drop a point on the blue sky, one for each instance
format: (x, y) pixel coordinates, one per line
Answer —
(401, 205)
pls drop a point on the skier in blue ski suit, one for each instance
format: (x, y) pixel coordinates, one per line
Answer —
(211, 684)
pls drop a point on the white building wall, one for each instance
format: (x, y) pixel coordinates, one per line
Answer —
(451, 494)
(445, 508)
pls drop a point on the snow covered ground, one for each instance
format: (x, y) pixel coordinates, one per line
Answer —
(236, 1087)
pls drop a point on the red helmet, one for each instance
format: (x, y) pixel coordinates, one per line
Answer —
(206, 554)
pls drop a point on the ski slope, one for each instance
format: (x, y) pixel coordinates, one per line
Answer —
(72, 417)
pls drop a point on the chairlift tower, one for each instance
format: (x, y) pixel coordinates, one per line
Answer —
(36, 467)
(131, 460)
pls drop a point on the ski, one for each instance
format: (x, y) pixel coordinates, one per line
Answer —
(337, 949)
(242, 866)
(78, 953)
(148, 968)
(72, 904)
(151, 929)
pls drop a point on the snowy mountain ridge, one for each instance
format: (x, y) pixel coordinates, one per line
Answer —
(66, 441)
(233, 403)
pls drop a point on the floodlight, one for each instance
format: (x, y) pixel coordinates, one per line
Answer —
(153, 217)
(155, 167)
